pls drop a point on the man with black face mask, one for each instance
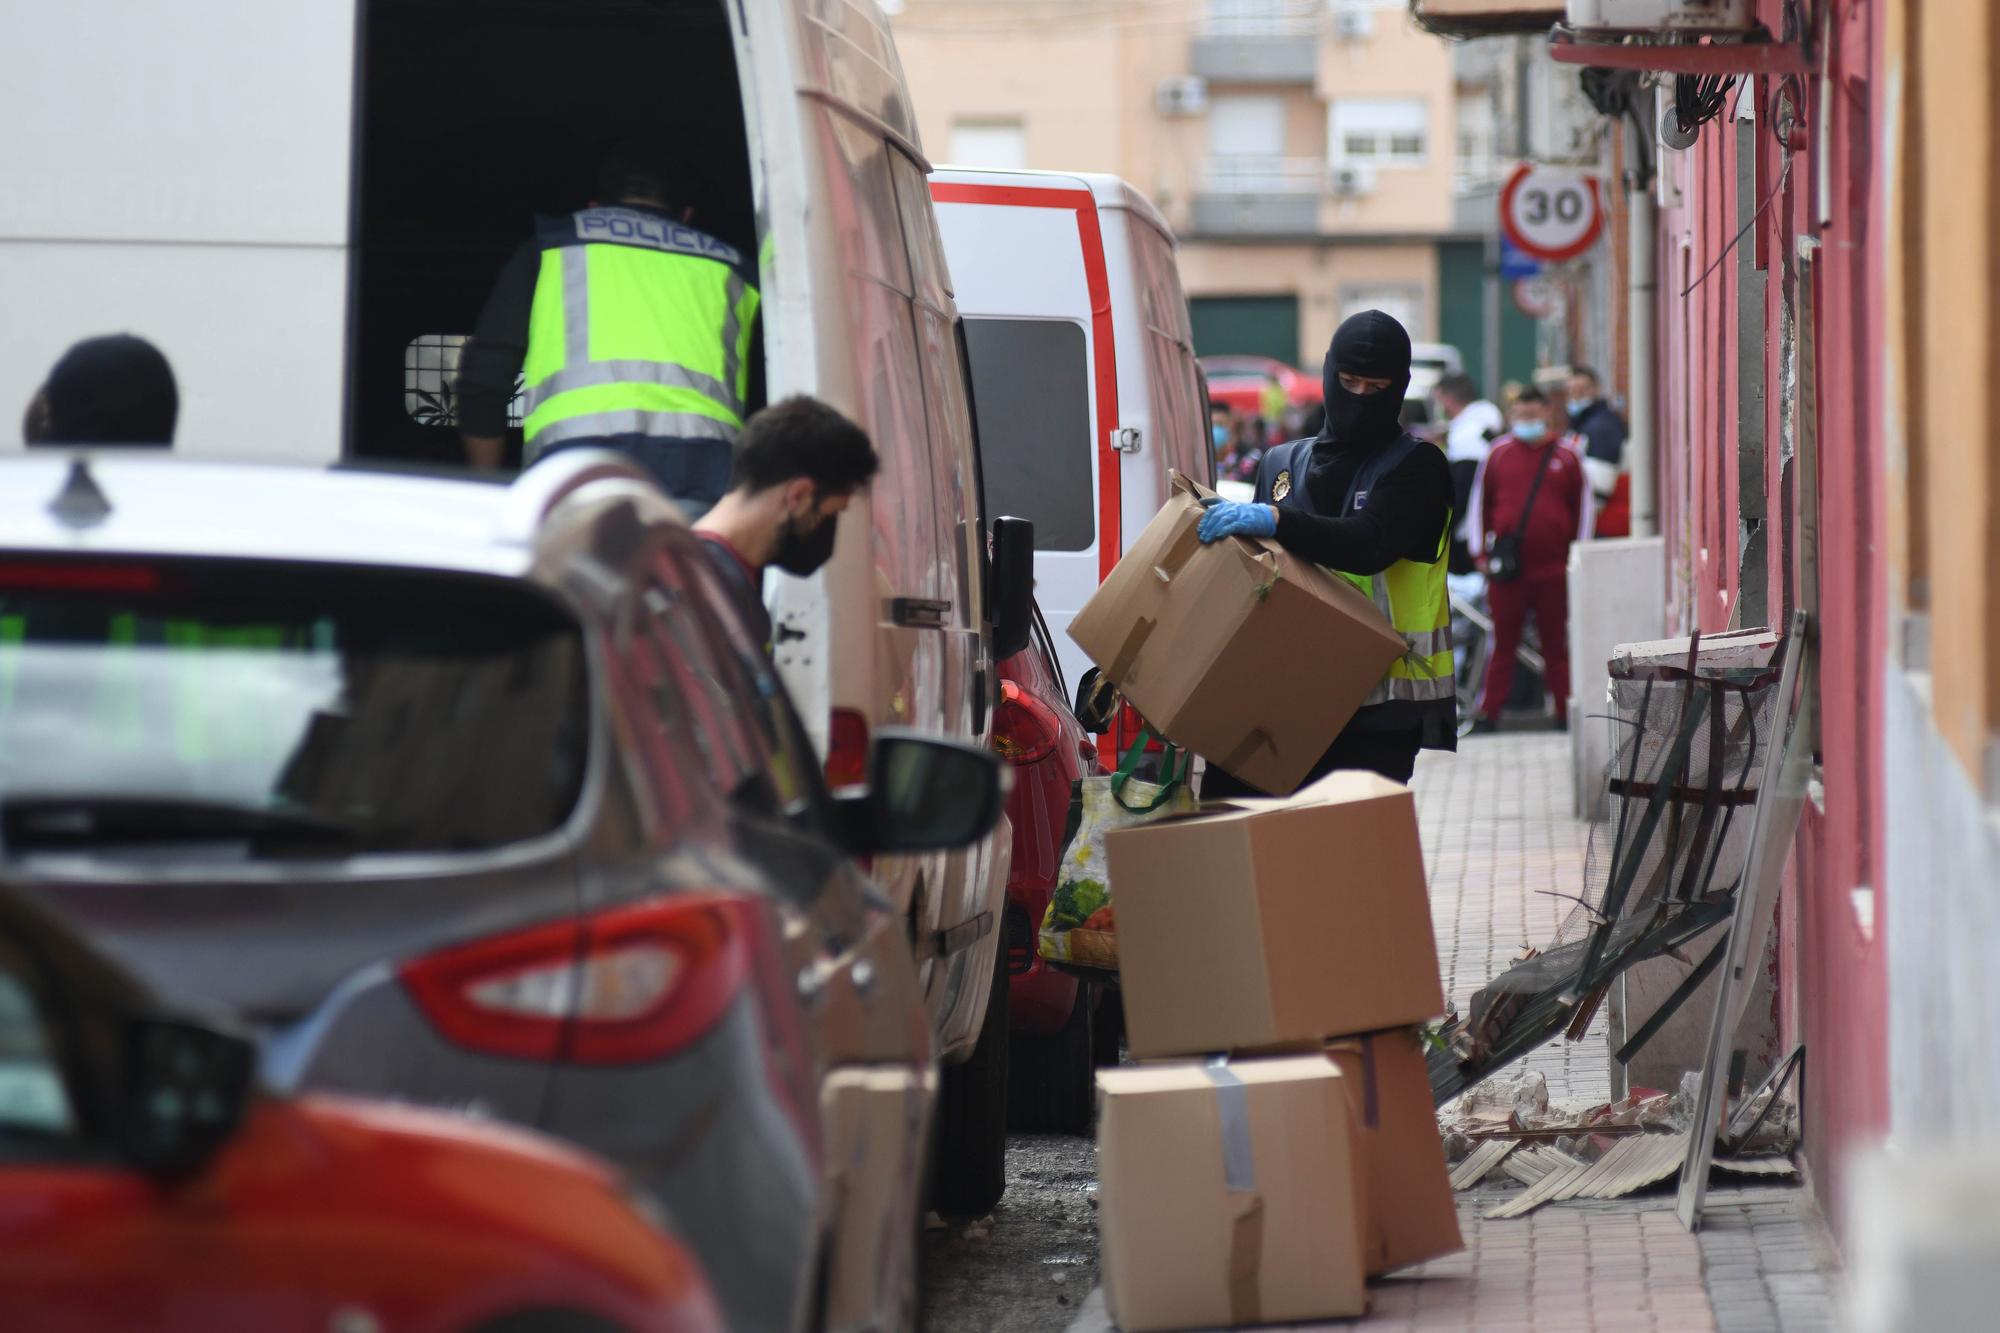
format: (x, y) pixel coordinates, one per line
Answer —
(797, 464)
(1371, 503)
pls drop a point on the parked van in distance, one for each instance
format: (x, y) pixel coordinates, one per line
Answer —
(1083, 367)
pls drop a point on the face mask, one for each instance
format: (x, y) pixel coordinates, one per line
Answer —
(1577, 405)
(1530, 430)
(1364, 418)
(803, 552)
(1221, 434)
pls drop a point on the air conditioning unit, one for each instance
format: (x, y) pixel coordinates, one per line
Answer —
(1183, 95)
(1352, 24)
(1350, 180)
(1662, 15)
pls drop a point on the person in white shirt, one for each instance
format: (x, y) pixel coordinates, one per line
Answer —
(1474, 424)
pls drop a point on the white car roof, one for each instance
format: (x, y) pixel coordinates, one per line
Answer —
(1113, 193)
(160, 504)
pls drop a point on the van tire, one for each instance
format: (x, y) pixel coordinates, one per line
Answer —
(971, 1171)
(1052, 1081)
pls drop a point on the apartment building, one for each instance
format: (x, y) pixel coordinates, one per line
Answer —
(1305, 151)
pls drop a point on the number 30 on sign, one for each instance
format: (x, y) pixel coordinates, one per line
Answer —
(1552, 213)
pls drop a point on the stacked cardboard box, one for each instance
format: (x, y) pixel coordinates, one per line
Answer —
(1275, 956)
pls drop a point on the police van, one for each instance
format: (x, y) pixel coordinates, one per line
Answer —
(306, 205)
(1083, 368)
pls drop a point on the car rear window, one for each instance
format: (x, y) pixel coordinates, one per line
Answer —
(1031, 399)
(283, 708)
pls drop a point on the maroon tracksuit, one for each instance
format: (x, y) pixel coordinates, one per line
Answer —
(1561, 514)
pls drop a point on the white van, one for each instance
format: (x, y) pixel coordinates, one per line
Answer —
(305, 206)
(1083, 370)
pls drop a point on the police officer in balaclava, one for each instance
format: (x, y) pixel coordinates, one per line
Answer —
(1372, 503)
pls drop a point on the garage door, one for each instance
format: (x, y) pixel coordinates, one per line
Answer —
(1246, 326)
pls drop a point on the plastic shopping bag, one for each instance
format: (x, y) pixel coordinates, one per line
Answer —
(1079, 927)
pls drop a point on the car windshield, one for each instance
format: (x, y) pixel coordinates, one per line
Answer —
(281, 710)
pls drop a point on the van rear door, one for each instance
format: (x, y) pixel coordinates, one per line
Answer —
(1027, 265)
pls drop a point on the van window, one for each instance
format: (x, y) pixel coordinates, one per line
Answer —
(1031, 394)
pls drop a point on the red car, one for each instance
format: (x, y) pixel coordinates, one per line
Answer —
(1062, 1028)
(1241, 382)
(145, 1184)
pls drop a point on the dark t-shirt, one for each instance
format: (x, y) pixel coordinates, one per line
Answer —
(744, 585)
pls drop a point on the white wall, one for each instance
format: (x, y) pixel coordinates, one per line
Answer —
(181, 171)
(1941, 909)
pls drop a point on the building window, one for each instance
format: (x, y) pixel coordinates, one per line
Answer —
(1406, 304)
(430, 380)
(992, 145)
(1391, 131)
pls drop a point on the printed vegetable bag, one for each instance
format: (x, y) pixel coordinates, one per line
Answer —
(1080, 927)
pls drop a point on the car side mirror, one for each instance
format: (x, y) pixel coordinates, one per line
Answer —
(184, 1092)
(924, 794)
(1013, 587)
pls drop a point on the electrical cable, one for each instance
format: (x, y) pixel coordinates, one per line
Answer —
(1744, 230)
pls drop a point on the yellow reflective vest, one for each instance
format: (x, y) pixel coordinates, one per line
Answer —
(640, 326)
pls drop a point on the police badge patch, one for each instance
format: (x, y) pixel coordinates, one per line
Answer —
(1282, 487)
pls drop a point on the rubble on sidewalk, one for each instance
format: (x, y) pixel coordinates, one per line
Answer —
(1506, 1130)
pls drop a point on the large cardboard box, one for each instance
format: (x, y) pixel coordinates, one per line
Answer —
(1412, 1215)
(1270, 923)
(1229, 1194)
(876, 1121)
(1240, 651)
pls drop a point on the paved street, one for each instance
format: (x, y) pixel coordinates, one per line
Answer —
(1496, 831)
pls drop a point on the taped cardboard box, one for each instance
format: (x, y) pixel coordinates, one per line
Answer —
(1229, 1194)
(1240, 651)
(1411, 1215)
(1275, 923)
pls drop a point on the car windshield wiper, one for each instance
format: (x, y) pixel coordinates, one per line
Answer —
(83, 823)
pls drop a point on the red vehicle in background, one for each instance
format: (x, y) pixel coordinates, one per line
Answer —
(1062, 1027)
(146, 1184)
(1250, 385)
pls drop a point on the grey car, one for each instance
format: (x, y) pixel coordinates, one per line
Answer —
(480, 796)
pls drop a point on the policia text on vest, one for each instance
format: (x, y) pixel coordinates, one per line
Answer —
(629, 330)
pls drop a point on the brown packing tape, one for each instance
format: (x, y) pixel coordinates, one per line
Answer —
(1249, 745)
(1129, 651)
(1175, 558)
(1246, 1249)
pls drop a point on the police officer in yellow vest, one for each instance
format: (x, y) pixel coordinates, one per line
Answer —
(1372, 503)
(629, 328)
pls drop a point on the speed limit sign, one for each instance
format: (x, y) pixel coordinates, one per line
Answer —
(1552, 213)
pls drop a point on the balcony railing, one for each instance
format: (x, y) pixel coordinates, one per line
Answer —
(1258, 195)
(1257, 173)
(1276, 43)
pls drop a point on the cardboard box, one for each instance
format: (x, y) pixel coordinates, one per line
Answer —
(1273, 923)
(1240, 651)
(1411, 1213)
(1229, 1194)
(876, 1121)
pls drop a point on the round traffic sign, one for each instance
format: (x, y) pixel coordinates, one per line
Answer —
(1552, 213)
(1538, 297)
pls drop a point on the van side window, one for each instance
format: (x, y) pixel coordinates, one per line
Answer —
(1031, 392)
(430, 380)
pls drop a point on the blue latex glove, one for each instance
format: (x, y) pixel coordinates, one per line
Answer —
(1230, 518)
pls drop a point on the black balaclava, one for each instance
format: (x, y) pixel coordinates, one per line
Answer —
(112, 390)
(1375, 345)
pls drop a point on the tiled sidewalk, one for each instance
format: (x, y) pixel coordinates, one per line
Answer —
(1500, 845)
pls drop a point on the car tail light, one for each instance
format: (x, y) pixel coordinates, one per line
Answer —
(623, 987)
(77, 576)
(847, 749)
(1024, 728)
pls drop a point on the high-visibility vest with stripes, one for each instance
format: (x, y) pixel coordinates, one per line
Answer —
(1413, 597)
(640, 325)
